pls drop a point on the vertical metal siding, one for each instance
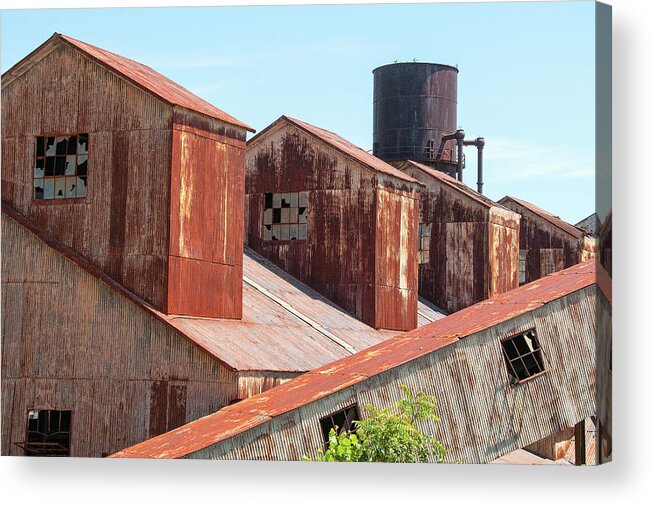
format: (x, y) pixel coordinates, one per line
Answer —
(71, 342)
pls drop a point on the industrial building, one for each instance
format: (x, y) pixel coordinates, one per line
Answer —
(158, 270)
(467, 244)
(507, 372)
(547, 243)
(337, 218)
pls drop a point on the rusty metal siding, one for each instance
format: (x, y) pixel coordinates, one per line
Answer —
(482, 416)
(549, 245)
(71, 342)
(128, 175)
(473, 242)
(206, 220)
(338, 259)
(503, 252)
(396, 249)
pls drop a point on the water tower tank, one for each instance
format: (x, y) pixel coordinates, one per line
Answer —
(414, 105)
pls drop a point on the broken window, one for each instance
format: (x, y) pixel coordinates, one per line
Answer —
(61, 167)
(340, 421)
(48, 433)
(285, 216)
(424, 234)
(523, 356)
(522, 266)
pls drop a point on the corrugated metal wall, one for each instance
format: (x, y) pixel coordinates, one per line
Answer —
(206, 224)
(548, 248)
(473, 251)
(71, 342)
(128, 167)
(482, 416)
(339, 257)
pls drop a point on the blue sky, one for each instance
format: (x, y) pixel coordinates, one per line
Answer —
(526, 80)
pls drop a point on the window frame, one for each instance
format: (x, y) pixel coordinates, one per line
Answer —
(36, 157)
(537, 355)
(281, 216)
(348, 425)
(422, 253)
(35, 448)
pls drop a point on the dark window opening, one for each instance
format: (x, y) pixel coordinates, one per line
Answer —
(340, 421)
(522, 266)
(48, 433)
(285, 216)
(61, 167)
(429, 152)
(523, 356)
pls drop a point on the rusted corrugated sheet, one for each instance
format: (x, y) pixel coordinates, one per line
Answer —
(339, 143)
(339, 258)
(136, 73)
(549, 243)
(206, 219)
(71, 341)
(145, 156)
(466, 374)
(473, 246)
(128, 175)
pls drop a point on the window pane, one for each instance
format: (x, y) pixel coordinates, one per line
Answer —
(39, 169)
(284, 215)
(293, 232)
(71, 185)
(266, 230)
(268, 200)
(38, 189)
(40, 146)
(48, 188)
(82, 144)
(50, 147)
(49, 166)
(82, 165)
(71, 164)
(293, 200)
(72, 145)
(81, 186)
(59, 187)
(302, 232)
(60, 165)
(302, 199)
(293, 215)
(284, 232)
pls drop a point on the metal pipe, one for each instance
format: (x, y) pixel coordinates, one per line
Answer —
(479, 142)
(480, 164)
(459, 135)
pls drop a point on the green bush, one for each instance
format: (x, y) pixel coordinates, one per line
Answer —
(389, 434)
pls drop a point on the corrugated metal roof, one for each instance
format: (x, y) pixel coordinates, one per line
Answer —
(286, 326)
(555, 220)
(143, 77)
(456, 184)
(353, 369)
(342, 145)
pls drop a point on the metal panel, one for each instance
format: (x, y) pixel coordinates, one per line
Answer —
(70, 341)
(339, 257)
(459, 359)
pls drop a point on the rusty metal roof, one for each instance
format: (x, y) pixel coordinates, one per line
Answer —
(555, 220)
(457, 185)
(144, 77)
(353, 369)
(342, 145)
(286, 326)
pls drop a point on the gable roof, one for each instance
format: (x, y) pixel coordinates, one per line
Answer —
(351, 370)
(555, 220)
(456, 185)
(286, 326)
(340, 144)
(140, 75)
